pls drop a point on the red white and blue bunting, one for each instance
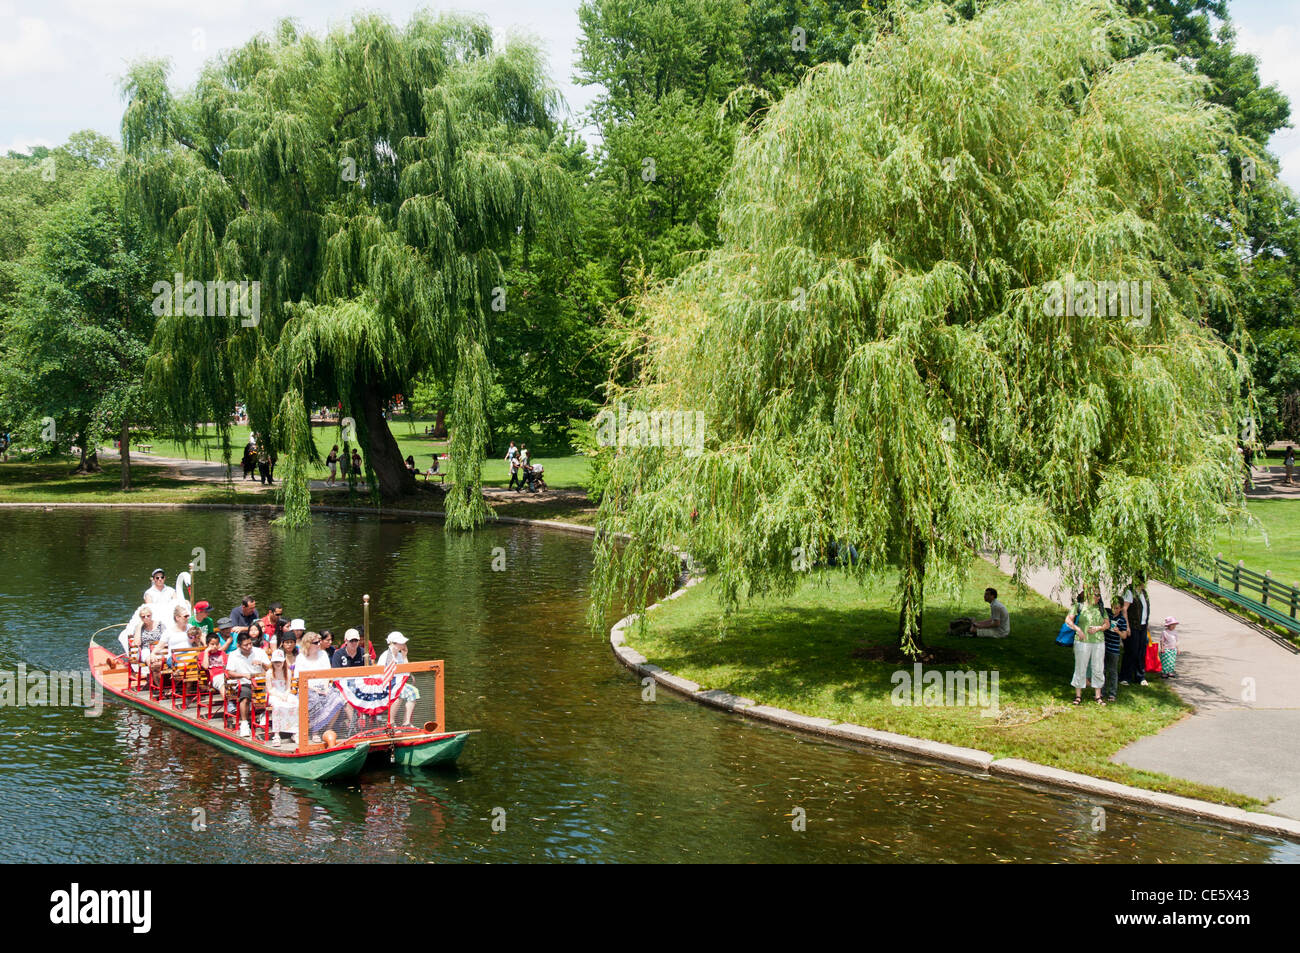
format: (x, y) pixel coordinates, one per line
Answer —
(372, 695)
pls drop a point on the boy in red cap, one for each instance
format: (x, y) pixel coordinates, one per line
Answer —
(203, 619)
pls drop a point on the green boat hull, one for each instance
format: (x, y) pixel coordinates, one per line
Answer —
(337, 764)
(441, 751)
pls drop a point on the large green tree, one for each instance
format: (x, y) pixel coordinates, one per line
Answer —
(893, 345)
(77, 325)
(368, 179)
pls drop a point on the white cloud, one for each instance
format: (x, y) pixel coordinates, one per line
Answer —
(1275, 50)
(31, 50)
(24, 144)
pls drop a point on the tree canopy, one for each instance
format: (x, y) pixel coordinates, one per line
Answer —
(910, 337)
(368, 179)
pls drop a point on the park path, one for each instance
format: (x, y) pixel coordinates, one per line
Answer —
(214, 471)
(1245, 687)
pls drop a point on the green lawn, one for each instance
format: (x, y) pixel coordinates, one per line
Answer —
(796, 653)
(1279, 521)
(562, 472)
(48, 481)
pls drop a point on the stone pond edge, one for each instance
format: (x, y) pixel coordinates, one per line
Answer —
(1028, 772)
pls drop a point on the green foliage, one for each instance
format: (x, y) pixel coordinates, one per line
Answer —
(368, 179)
(873, 345)
(76, 322)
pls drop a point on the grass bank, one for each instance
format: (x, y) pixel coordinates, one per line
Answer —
(797, 652)
(53, 482)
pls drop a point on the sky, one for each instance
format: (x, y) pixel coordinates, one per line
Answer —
(61, 60)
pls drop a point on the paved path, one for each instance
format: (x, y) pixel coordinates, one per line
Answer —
(1269, 483)
(1245, 732)
(214, 471)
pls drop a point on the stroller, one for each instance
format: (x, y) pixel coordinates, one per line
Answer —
(533, 478)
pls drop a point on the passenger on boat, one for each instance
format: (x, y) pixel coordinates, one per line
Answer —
(213, 660)
(196, 637)
(203, 618)
(243, 615)
(159, 593)
(396, 652)
(226, 635)
(274, 624)
(242, 666)
(289, 643)
(147, 632)
(283, 703)
(327, 643)
(323, 699)
(255, 633)
(297, 627)
(351, 654)
(178, 633)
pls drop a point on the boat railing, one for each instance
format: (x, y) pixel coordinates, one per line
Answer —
(363, 702)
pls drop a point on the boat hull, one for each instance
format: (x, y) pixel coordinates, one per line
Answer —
(428, 754)
(334, 764)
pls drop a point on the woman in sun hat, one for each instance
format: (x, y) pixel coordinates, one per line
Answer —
(1169, 648)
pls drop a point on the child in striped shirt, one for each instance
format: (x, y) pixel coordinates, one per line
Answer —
(1116, 633)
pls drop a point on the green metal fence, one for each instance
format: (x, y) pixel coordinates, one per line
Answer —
(1259, 593)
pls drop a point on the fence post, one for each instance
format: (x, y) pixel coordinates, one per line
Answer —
(1295, 598)
(1218, 558)
(1268, 577)
(1236, 576)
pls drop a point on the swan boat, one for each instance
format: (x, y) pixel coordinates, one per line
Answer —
(391, 714)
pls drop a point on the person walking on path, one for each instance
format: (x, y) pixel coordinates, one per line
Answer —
(1289, 462)
(1137, 605)
(332, 461)
(1089, 623)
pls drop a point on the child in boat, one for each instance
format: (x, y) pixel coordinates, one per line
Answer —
(283, 703)
(213, 660)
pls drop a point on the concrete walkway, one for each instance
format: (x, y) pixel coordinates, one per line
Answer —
(1245, 732)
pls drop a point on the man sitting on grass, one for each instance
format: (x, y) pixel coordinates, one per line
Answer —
(996, 626)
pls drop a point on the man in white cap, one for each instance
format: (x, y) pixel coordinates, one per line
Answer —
(159, 593)
(350, 654)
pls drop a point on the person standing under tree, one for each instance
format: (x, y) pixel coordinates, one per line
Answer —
(332, 461)
(1137, 606)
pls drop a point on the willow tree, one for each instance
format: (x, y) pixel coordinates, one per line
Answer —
(894, 345)
(366, 179)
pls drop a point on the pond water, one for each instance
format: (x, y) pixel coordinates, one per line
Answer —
(570, 760)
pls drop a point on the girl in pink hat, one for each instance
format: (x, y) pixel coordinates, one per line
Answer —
(1169, 648)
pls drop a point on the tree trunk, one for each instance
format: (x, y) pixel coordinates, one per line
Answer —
(383, 455)
(89, 458)
(440, 426)
(913, 598)
(125, 453)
